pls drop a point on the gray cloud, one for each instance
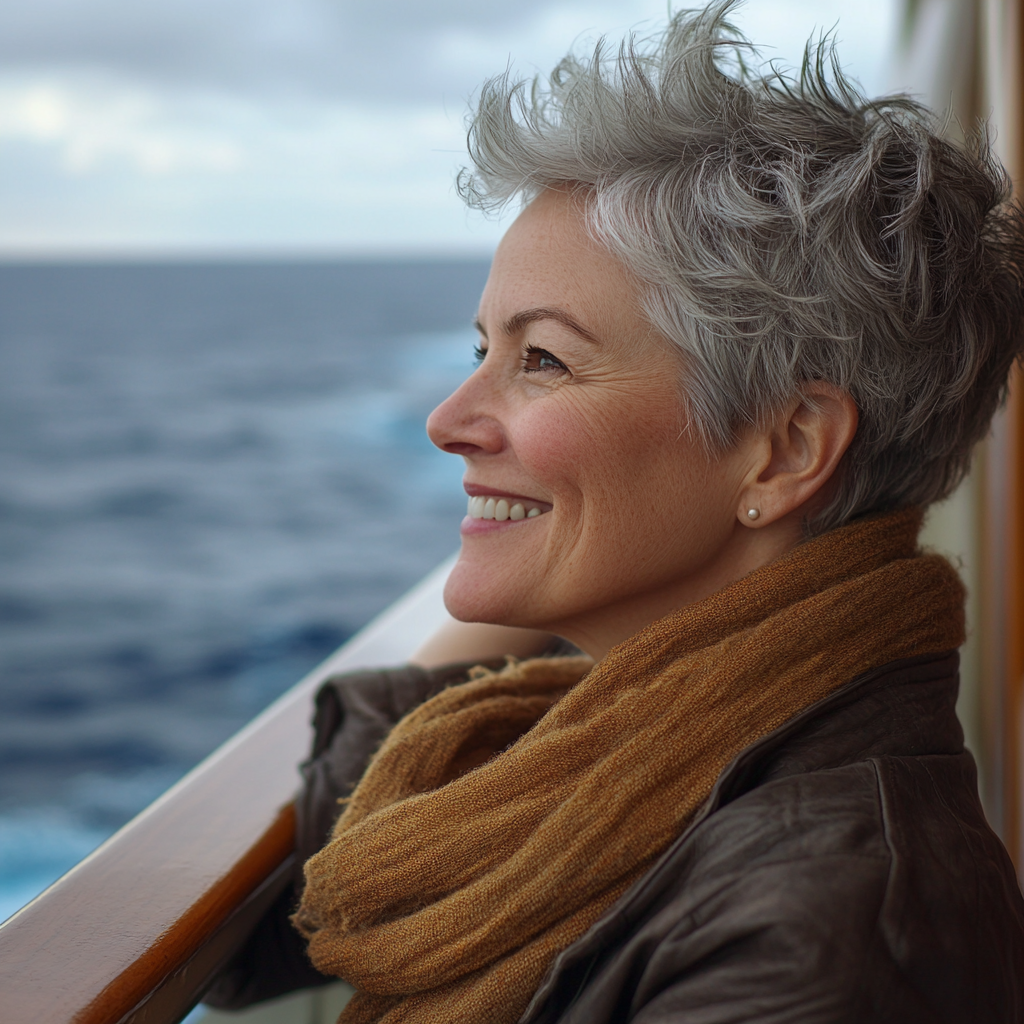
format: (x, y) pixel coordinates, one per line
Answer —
(290, 125)
(323, 46)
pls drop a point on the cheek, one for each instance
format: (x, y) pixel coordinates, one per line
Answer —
(575, 455)
(613, 460)
(550, 446)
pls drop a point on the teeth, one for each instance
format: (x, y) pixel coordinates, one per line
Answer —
(499, 509)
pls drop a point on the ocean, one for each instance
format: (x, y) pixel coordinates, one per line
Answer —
(210, 476)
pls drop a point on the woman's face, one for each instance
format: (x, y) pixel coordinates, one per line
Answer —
(575, 411)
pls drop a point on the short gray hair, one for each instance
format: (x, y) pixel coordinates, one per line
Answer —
(787, 230)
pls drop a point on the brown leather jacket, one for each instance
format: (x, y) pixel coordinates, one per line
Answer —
(841, 871)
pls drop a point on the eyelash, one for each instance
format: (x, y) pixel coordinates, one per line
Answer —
(532, 350)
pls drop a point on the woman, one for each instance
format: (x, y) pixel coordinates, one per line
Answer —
(742, 333)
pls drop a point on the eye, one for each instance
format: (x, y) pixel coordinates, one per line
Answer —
(536, 360)
(478, 354)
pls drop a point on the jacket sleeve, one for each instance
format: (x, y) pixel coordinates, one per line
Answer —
(353, 714)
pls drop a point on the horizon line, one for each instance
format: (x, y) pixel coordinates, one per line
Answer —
(244, 254)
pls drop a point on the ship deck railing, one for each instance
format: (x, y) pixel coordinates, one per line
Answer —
(135, 933)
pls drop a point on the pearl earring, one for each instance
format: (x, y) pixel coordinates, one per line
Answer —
(753, 513)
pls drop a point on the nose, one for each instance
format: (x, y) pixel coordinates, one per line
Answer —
(465, 422)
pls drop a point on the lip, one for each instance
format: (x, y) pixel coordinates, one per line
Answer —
(470, 527)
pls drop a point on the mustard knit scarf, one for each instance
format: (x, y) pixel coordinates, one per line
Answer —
(504, 816)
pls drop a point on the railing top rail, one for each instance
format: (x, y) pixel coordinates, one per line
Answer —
(94, 946)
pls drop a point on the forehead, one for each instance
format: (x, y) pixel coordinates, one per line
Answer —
(547, 258)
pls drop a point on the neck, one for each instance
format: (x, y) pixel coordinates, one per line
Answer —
(597, 631)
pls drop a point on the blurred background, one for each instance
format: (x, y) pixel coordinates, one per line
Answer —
(234, 279)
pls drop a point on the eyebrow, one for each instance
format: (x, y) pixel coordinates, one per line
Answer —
(518, 321)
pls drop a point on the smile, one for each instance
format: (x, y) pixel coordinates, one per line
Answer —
(501, 509)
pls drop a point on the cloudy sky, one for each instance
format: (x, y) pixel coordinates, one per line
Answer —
(293, 126)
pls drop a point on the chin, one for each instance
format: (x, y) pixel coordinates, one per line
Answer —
(475, 594)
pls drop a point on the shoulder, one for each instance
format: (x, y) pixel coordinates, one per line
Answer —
(353, 713)
(869, 891)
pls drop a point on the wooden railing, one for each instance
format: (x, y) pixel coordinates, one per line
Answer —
(1001, 92)
(137, 930)
(968, 55)
(1002, 626)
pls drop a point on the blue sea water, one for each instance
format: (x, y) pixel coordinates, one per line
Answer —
(210, 476)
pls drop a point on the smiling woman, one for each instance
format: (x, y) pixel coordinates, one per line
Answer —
(743, 332)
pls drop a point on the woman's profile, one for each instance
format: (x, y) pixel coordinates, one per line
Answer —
(745, 330)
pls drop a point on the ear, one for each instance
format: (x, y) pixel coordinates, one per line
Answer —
(798, 454)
